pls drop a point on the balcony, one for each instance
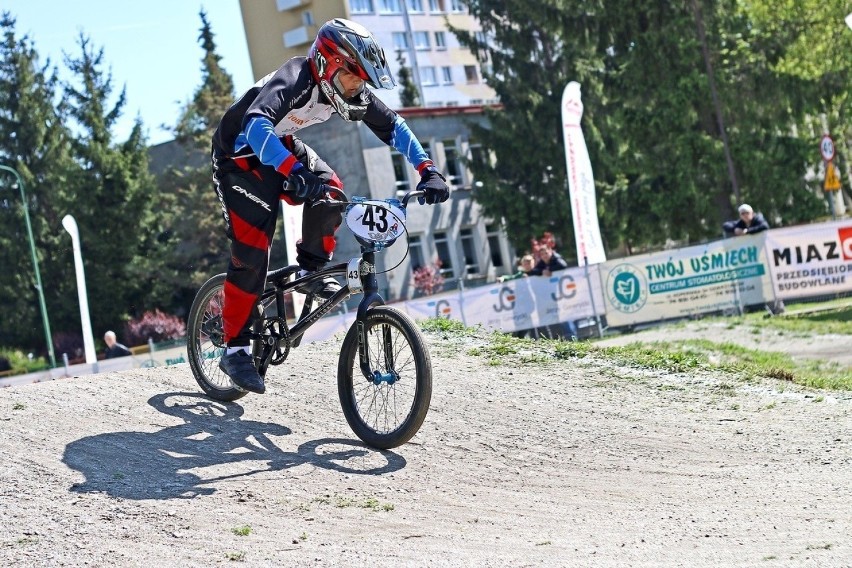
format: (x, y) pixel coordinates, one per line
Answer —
(299, 36)
(284, 5)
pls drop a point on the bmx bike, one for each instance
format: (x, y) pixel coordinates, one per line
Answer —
(384, 371)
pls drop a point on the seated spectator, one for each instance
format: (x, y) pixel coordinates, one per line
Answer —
(114, 348)
(749, 223)
(524, 268)
(549, 262)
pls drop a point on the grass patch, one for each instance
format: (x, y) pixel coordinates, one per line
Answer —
(682, 356)
(236, 556)
(343, 502)
(244, 530)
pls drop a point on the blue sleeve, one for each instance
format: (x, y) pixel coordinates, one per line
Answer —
(260, 134)
(406, 143)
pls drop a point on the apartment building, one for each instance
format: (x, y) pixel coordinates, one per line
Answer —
(449, 74)
(471, 248)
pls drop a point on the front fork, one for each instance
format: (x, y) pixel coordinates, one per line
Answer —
(371, 298)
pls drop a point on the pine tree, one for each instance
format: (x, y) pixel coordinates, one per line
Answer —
(408, 97)
(547, 45)
(34, 142)
(195, 233)
(110, 194)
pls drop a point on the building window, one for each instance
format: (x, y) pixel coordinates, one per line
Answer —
(400, 172)
(457, 6)
(389, 7)
(475, 158)
(493, 233)
(415, 251)
(447, 75)
(400, 41)
(442, 247)
(427, 76)
(482, 46)
(440, 40)
(471, 74)
(361, 6)
(436, 6)
(468, 244)
(421, 40)
(307, 18)
(454, 166)
(415, 5)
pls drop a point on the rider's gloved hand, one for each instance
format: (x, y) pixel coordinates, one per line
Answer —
(434, 184)
(305, 184)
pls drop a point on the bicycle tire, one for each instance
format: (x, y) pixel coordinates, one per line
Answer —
(368, 406)
(204, 344)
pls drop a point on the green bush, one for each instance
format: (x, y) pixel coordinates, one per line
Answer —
(20, 363)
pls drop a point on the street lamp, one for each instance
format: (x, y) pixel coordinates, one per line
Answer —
(35, 266)
(70, 225)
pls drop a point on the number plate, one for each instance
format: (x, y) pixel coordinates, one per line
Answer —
(376, 221)
(353, 275)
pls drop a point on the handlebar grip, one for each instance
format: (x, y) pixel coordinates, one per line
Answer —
(411, 194)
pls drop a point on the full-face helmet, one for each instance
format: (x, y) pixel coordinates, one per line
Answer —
(344, 44)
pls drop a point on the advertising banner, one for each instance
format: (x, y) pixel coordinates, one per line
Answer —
(581, 182)
(723, 275)
(536, 301)
(446, 306)
(811, 260)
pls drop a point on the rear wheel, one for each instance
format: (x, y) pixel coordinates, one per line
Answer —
(388, 408)
(206, 341)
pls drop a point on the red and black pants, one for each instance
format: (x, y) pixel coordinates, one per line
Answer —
(249, 193)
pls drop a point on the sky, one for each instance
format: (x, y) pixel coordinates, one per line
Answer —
(150, 47)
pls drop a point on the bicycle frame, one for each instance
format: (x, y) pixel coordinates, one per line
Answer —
(279, 285)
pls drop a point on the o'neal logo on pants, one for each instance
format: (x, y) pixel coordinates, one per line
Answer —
(626, 288)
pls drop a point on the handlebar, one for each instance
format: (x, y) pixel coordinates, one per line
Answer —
(336, 195)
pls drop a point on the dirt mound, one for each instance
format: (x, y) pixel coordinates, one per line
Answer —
(534, 461)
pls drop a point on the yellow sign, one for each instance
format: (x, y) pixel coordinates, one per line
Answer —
(832, 179)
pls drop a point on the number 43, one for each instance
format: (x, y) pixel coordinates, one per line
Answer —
(375, 220)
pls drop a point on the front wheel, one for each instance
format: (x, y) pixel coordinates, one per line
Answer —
(206, 342)
(388, 408)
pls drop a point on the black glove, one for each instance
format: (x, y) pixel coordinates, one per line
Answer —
(305, 184)
(435, 186)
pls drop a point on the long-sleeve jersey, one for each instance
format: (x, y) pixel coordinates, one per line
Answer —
(288, 100)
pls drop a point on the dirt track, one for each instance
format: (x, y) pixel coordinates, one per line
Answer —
(570, 463)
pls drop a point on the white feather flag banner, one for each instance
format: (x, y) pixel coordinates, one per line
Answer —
(581, 182)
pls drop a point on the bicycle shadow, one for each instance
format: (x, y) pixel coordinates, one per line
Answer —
(164, 464)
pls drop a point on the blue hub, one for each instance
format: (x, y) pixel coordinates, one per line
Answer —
(389, 378)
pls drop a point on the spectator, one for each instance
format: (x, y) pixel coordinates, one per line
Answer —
(549, 262)
(114, 348)
(524, 268)
(749, 223)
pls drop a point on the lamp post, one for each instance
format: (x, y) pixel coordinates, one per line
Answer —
(70, 225)
(35, 266)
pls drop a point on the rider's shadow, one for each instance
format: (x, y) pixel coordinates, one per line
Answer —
(156, 465)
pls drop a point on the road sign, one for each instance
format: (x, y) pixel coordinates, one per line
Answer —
(826, 148)
(832, 178)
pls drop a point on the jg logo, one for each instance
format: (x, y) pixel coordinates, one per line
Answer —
(565, 290)
(443, 310)
(626, 289)
(505, 299)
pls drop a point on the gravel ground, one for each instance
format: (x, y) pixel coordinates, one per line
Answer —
(564, 463)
